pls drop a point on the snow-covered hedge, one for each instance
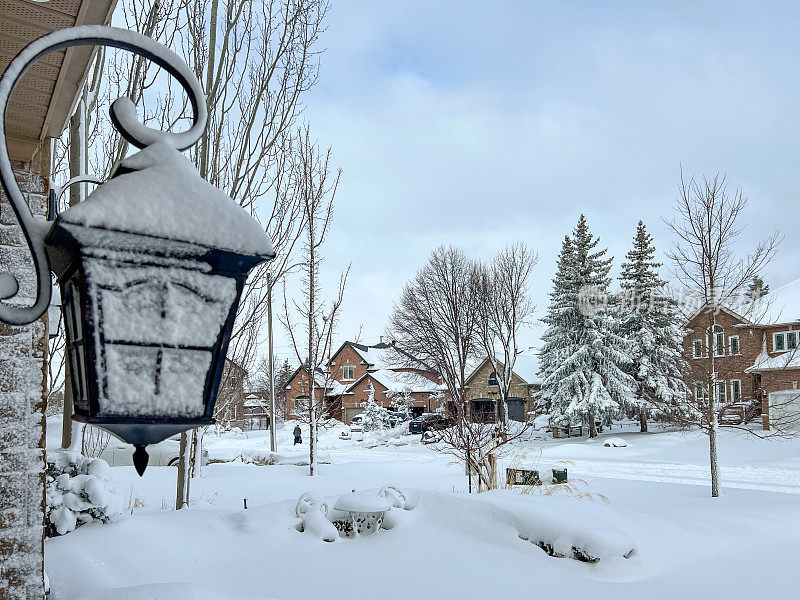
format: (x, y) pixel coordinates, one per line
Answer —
(78, 490)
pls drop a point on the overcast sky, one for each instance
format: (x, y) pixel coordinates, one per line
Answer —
(482, 123)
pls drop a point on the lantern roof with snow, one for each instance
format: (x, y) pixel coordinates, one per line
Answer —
(158, 192)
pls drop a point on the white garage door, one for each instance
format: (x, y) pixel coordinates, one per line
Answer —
(784, 410)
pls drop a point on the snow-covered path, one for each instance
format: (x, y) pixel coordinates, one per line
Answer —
(769, 479)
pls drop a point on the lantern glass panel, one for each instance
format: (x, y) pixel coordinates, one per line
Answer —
(155, 328)
(76, 344)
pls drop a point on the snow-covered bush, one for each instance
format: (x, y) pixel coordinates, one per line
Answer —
(374, 417)
(78, 490)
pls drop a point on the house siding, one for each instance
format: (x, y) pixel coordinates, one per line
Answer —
(478, 387)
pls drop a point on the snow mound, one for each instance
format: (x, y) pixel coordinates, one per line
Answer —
(615, 442)
(173, 591)
(562, 527)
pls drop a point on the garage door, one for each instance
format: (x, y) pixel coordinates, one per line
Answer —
(516, 409)
(784, 410)
(349, 413)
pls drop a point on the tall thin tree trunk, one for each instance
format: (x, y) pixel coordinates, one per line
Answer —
(643, 420)
(712, 408)
(312, 358)
(272, 445)
(592, 426)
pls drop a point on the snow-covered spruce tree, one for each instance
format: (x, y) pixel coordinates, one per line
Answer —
(651, 324)
(583, 359)
(375, 417)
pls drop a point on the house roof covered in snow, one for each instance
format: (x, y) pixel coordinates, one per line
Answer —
(500, 364)
(321, 380)
(765, 362)
(397, 381)
(380, 355)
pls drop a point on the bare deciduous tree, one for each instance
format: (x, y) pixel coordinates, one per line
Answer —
(316, 184)
(505, 308)
(437, 321)
(706, 261)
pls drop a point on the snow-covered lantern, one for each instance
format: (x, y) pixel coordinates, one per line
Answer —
(151, 267)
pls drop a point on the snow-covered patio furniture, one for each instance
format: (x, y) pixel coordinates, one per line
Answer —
(522, 477)
(313, 512)
(366, 510)
(559, 476)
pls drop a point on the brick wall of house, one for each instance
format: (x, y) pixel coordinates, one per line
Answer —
(22, 407)
(732, 366)
(347, 356)
(229, 408)
(299, 386)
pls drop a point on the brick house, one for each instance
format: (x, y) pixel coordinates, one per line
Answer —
(229, 408)
(754, 355)
(483, 394)
(356, 371)
(256, 411)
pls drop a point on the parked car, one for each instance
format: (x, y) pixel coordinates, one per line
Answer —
(429, 421)
(163, 454)
(395, 418)
(357, 420)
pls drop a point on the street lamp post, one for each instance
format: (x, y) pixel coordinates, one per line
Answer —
(151, 266)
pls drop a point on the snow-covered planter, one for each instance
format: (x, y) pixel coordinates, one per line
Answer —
(78, 490)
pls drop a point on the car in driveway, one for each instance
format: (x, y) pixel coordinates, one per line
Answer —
(163, 454)
(428, 422)
(395, 418)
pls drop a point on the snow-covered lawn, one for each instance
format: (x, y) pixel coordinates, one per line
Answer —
(455, 545)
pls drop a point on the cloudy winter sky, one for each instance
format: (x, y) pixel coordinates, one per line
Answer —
(477, 124)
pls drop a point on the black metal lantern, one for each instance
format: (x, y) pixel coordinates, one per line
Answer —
(151, 268)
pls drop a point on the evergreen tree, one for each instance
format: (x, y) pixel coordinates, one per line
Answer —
(756, 290)
(375, 417)
(651, 325)
(584, 358)
(282, 378)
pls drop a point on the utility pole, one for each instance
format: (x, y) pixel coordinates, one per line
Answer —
(272, 446)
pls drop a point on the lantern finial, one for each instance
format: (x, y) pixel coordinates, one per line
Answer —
(140, 459)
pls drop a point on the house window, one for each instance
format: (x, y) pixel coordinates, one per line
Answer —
(791, 340)
(736, 390)
(721, 392)
(493, 378)
(370, 388)
(699, 392)
(348, 372)
(697, 349)
(779, 342)
(719, 344)
(733, 341)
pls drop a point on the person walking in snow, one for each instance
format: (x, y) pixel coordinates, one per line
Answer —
(297, 435)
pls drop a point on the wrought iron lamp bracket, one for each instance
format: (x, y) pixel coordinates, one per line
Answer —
(123, 116)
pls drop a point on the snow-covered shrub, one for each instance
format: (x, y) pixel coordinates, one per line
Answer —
(78, 490)
(374, 417)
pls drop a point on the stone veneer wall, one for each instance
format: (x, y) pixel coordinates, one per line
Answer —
(22, 425)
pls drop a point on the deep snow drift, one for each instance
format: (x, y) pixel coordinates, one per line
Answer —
(455, 545)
